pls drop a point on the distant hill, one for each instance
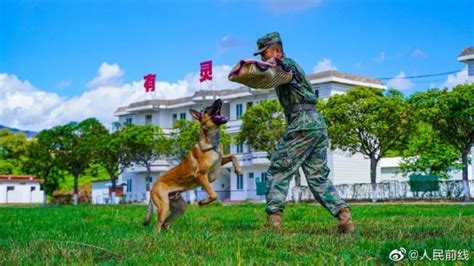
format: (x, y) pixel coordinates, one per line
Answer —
(28, 134)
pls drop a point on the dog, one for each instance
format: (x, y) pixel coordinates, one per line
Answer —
(201, 167)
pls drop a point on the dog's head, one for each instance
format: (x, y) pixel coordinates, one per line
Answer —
(211, 116)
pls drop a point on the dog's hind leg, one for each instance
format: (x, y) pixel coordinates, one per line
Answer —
(177, 208)
(149, 212)
(161, 200)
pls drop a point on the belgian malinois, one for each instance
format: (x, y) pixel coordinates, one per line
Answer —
(201, 167)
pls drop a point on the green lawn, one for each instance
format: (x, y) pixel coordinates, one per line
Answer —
(228, 235)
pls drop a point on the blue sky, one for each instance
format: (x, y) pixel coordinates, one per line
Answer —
(67, 49)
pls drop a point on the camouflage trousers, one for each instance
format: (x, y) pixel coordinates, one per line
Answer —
(306, 149)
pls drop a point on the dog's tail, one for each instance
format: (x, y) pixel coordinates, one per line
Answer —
(149, 212)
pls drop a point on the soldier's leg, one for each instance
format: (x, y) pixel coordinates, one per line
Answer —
(285, 162)
(316, 171)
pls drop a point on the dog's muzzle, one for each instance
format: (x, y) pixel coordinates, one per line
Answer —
(215, 112)
(219, 119)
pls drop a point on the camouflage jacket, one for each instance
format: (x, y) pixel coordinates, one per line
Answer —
(298, 91)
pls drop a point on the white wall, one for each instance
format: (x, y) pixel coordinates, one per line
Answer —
(349, 169)
(138, 186)
(22, 192)
(100, 192)
(249, 184)
(324, 90)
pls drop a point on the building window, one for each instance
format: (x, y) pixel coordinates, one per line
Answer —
(128, 120)
(238, 109)
(175, 117)
(250, 175)
(240, 182)
(240, 148)
(316, 92)
(182, 116)
(264, 176)
(249, 104)
(10, 188)
(32, 188)
(129, 185)
(148, 119)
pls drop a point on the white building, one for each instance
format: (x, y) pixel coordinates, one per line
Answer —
(344, 169)
(102, 192)
(467, 56)
(20, 189)
(389, 170)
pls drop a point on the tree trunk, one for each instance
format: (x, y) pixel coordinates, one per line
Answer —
(148, 177)
(467, 191)
(373, 177)
(45, 195)
(114, 189)
(76, 190)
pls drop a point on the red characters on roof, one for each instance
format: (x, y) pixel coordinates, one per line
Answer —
(149, 82)
(206, 71)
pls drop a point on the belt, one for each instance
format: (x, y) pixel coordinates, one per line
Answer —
(300, 108)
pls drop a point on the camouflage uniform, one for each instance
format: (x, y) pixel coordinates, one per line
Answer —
(304, 143)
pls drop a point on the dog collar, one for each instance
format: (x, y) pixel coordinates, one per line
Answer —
(208, 149)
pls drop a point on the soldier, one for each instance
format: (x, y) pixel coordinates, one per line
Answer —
(304, 143)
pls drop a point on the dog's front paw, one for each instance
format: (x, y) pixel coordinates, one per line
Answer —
(238, 170)
(203, 202)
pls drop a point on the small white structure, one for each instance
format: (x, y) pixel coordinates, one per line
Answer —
(102, 192)
(467, 56)
(389, 170)
(20, 189)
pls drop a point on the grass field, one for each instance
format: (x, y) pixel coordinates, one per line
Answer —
(228, 235)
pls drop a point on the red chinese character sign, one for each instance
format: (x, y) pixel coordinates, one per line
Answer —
(149, 82)
(206, 71)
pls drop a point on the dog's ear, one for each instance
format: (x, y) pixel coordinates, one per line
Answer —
(195, 114)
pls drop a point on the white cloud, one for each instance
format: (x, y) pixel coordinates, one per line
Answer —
(25, 107)
(323, 65)
(456, 79)
(22, 105)
(108, 74)
(287, 6)
(400, 82)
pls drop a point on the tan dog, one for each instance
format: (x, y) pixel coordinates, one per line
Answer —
(200, 168)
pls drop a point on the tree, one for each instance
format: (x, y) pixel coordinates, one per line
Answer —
(185, 135)
(428, 154)
(12, 151)
(145, 144)
(368, 121)
(451, 113)
(75, 147)
(42, 163)
(263, 126)
(113, 155)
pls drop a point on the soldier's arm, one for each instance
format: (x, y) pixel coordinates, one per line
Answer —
(290, 66)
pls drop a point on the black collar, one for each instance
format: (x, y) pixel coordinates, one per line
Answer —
(208, 149)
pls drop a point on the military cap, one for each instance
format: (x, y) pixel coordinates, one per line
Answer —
(266, 40)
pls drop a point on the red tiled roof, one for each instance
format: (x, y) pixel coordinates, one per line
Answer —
(19, 178)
